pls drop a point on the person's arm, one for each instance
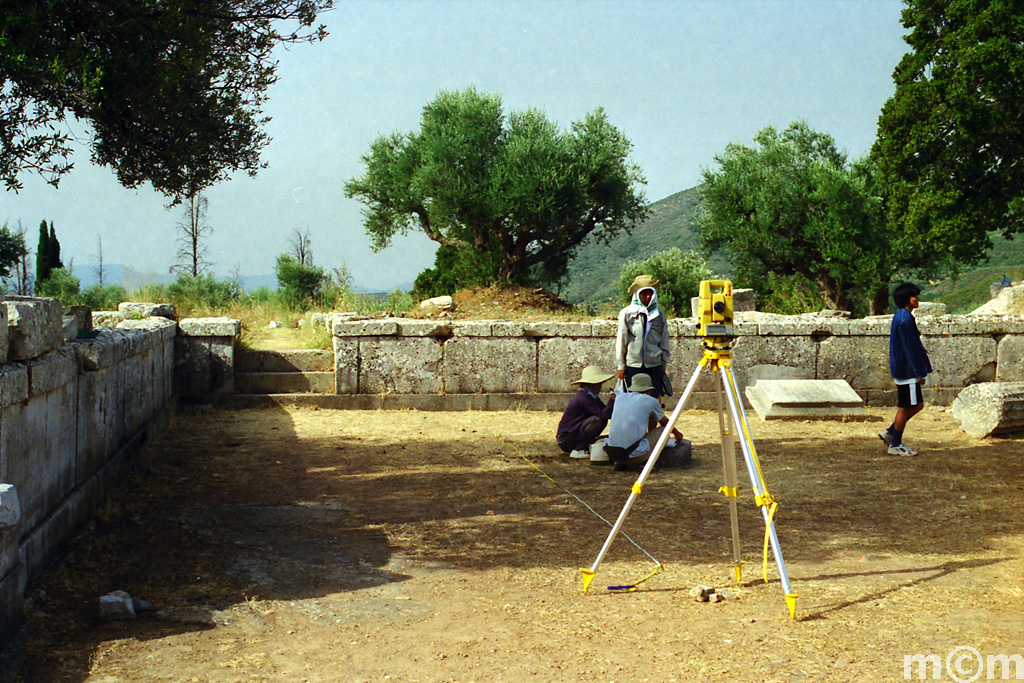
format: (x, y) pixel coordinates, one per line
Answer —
(909, 340)
(665, 343)
(676, 434)
(621, 341)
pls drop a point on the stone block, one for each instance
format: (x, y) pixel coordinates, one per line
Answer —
(805, 399)
(1010, 359)
(209, 327)
(284, 382)
(10, 508)
(46, 538)
(959, 361)
(490, 365)
(474, 328)
(994, 408)
(874, 326)
(136, 310)
(346, 365)
(107, 348)
(51, 370)
(508, 328)
(423, 328)
(192, 366)
(106, 318)
(13, 384)
(756, 358)
(604, 328)
(863, 361)
(929, 309)
(438, 303)
(222, 365)
(770, 325)
(305, 360)
(94, 397)
(83, 315)
(1009, 301)
(3, 332)
(12, 601)
(401, 365)
(34, 326)
(561, 359)
(542, 328)
(986, 324)
(364, 328)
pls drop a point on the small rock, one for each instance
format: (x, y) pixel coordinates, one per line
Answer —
(116, 606)
(274, 324)
(701, 593)
(726, 593)
(716, 597)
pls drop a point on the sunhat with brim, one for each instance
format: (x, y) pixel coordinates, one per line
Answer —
(641, 383)
(641, 281)
(593, 375)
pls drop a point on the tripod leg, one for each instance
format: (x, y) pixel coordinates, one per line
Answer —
(730, 490)
(761, 495)
(588, 574)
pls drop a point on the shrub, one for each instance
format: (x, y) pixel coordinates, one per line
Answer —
(454, 270)
(203, 291)
(104, 297)
(679, 275)
(300, 283)
(61, 284)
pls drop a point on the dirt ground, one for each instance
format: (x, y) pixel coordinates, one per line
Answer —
(292, 545)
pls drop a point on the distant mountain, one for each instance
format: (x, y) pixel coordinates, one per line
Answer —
(595, 269)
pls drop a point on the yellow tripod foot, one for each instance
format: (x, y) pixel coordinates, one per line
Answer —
(791, 604)
(588, 576)
(739, 572)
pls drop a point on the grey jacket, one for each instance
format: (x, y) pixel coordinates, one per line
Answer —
(631, 349)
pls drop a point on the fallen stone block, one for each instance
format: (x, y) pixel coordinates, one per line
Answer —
(106, 318)
(131, 309)
(702, 593)
(676, 456)
(35, 325)
(716, 597)
(804, 399)
(438, 303)
(116, 606)
(10, 508)
(990, 409)
(210, 327)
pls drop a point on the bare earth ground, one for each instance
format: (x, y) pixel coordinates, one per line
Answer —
(312, 545)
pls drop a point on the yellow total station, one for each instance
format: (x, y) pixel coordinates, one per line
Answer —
(714, 317)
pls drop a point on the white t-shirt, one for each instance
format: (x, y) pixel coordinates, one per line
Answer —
(630, 420)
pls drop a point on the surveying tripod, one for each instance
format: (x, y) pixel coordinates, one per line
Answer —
(715, 324)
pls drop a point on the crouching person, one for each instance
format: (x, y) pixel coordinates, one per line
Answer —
(637, 423)
(586, 415)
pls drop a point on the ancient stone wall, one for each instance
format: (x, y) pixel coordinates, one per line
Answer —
(409, 360)
(73, 412)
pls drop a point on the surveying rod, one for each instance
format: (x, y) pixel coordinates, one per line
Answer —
(757, 480)
(588, 574)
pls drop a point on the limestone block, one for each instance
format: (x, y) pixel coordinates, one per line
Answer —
(83, 315)
(106, 318)
(14, 443)
(346, 365)
(168, 370)
(993, 408)
(34, 326)
(51, 533)
(93, 427)
(12, 601)
(1010, 359)
(364, 328)
(873, 326)
(604, 328)
(863, 361)
(107, 348)
(798, 325)
(222, 365)
(687, 353)
(423, 328)
(3, 332)
(400, 365)
(13, 384)
(683, 327)
(756, 358)
(192, 366)
(508, 328)
(560, 360)
(1010, 301)
(134, 380)
(62, 431)
(305, 360)
(438, 303)
(929, 309)
(209, 327)
(10, 508)
(51, 370)
(985, 324)
(802, 399)
(542, 328)
(129, 309)
(475, 328)
(959, 361)
(489, 365)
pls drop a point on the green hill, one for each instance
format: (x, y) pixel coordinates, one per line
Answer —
(673, 223)
(595, 269)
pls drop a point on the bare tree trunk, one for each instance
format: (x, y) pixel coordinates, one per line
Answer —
(880, 300)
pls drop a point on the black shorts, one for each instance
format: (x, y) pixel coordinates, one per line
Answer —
(909, 395)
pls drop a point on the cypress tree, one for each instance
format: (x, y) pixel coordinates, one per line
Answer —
(55, 261)
(43, 253)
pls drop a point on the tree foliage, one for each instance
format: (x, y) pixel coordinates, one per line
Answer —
(513, 188)
(12, 249)
(172, 89)
(950, 137)
(794, 205)
(47, 252)
(678, 274)
(299, 282)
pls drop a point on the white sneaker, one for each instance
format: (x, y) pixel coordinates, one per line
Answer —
(577, 455)
(902, 449)
(886, 437)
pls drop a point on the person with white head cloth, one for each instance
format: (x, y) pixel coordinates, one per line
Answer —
(642, 342)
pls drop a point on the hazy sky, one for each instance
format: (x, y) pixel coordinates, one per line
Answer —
(681, 78)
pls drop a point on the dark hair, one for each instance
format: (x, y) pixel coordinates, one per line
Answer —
(903, 293)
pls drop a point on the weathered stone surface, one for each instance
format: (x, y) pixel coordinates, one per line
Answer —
(13, 384)
(305, 360)
(474, 328)
(400, 366)
(490, 365)
(346, 365)
(756, 358)
(929, 309)
(985, 324)
(873, 326)
(676, 456)
(438, 303)
(10, 508)
(862, 361)
(131, 309)
(1010, 301)
(34, 326)
(805, 399)
(364, 328)
(993, 408)
(51, 370)
(423, 328)
(561, 359)
(959, 361)
(508, 328)
(284, 382)
(116, 606)
(83, 315)
(210, 327)
(604, 328)
(1010, 359)
(3, 331)
(106, 318)
(543, 328)
(110, 346)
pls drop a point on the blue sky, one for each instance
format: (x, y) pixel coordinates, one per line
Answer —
(681, 78)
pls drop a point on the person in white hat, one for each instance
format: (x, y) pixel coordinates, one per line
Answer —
(586, 415)
(642, 342)
(636, 425)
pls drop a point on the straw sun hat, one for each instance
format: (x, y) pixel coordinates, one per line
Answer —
(593, 375)
(641, 281)
(641, 383)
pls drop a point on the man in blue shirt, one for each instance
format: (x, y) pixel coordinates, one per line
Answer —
(909, 366)
(636, 425)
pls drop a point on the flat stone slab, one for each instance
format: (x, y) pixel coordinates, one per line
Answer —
(805, 399)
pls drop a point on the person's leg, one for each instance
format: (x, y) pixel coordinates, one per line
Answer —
(580, 438)
(910, 402)
(657, 374)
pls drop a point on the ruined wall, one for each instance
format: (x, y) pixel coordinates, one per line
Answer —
(461, 360)
(73, 412)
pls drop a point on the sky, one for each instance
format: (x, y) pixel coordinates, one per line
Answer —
(681, 78)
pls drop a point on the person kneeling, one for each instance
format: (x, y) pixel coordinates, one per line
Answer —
(586, 415)
(637, 423)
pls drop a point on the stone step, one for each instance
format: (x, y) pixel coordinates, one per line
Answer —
(805, 399)
(284, 382)
(299, 360)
